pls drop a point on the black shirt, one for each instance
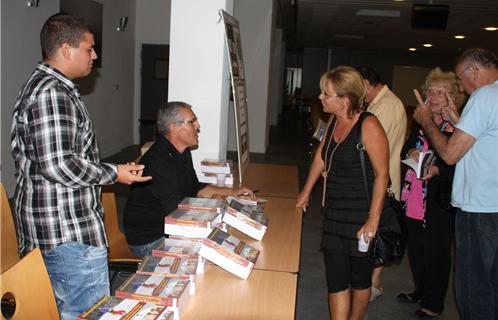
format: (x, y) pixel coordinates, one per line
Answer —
(173, 178)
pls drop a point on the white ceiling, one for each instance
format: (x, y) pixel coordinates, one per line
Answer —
(335, 23)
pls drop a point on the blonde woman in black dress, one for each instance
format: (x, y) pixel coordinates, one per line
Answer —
(348, 215)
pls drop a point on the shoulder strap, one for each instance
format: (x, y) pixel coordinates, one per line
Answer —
(361, 149)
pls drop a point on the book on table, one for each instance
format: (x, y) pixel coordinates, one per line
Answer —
(191, 223)
(168, 291)
(185, 268)
(114, 308)
(425, 161)
(217, 166)
(229, 252)
(183, 248)
(247, 219)
(204, 204)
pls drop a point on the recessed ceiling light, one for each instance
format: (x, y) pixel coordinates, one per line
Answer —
(427, 45)
(412, 49)
(491, 28)
(459, 36)
(399, 0)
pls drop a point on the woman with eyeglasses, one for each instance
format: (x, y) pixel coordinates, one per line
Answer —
(348, 214)
(429, 216)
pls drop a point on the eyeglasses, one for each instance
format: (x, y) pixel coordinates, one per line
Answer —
(326, 95)
(191, 121)
(436, 92)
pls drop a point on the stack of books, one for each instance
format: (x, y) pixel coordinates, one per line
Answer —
(114, 308)
(248, 219)
(229, 252)
(212, 170)
(191, 223)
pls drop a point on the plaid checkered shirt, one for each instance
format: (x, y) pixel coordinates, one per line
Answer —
(58, 172)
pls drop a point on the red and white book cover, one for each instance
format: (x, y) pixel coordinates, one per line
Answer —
(168, 291)
(191, 223)
(204, 204)
(230, 253)
(184, 248)
(185, 268)
(247, 219)
(114, 308)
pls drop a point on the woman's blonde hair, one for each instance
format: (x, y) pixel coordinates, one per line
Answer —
(347, 82)
(450, 81)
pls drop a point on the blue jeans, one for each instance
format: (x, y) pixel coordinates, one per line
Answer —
(476, 276)
(143, 250)
(79, 277)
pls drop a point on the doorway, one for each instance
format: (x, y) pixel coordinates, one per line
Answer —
(154, 88)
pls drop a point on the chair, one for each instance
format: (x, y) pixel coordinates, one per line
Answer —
(120, 258)
(8, 238)
(29, 287)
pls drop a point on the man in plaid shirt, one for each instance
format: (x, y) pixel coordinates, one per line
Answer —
(58, 172)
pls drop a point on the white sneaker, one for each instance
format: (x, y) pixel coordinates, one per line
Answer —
(376, 292)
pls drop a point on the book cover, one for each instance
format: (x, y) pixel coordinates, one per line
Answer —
(185, 268)
(421, 167)
(114, 308)
(247, 219)
(203, 204)
(229, 252)
(258, 202)
(168, 291)
(217, 166)
(191, 223)
(184, 248)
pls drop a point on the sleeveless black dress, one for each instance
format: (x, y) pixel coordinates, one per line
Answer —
(346, 204)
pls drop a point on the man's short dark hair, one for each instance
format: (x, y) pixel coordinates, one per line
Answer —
(370, 75)
(168, 113)
(484, 57)
(59, 29)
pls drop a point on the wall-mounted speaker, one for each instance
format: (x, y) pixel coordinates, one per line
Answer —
(433, 17)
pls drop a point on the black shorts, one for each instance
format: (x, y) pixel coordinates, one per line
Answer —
(344, 271)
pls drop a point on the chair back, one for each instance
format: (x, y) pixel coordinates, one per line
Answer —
(8, 237)
(28, 285)
(118, 247)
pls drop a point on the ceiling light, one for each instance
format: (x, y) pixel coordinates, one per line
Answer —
(412, 49)
(490, 28)
(459, 36)
(379, 13)
(427, 45)
(399, 0)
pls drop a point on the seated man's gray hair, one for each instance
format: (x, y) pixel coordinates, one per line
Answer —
(168, 113)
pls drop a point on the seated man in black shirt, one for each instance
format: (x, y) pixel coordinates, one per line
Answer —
(169, 163)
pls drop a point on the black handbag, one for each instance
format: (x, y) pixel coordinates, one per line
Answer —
(389, 242)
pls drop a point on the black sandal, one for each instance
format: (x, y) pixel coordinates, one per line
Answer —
(407, 298)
